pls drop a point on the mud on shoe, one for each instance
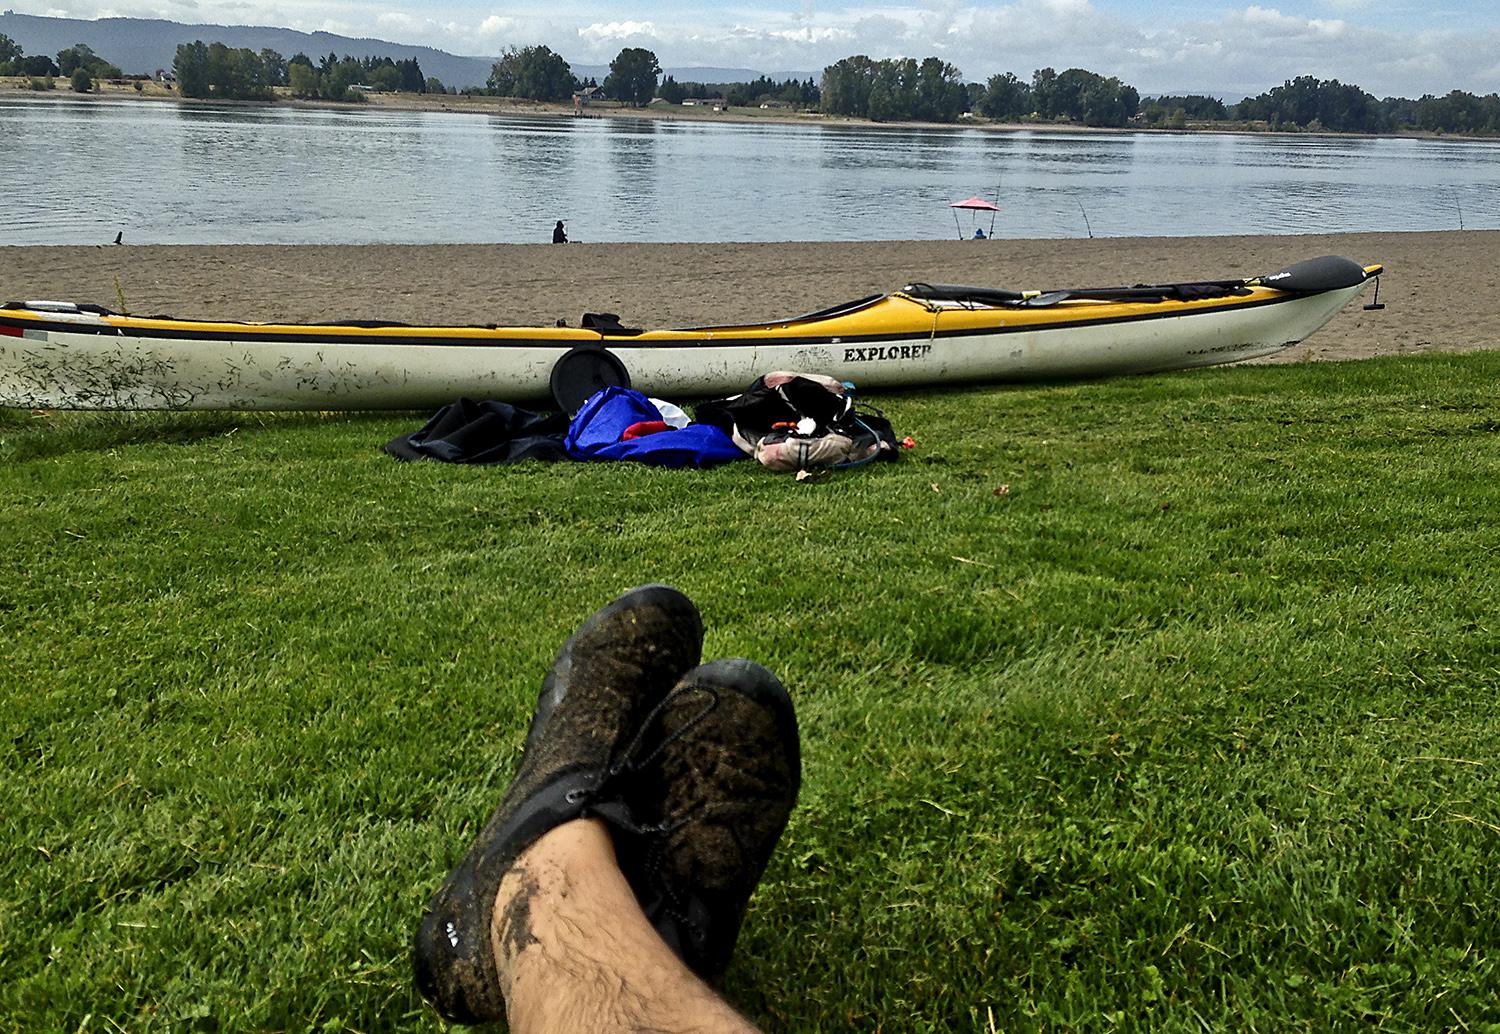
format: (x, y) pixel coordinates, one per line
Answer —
(608, 678)
(718, 773)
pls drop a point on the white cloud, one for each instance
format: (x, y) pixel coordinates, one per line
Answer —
(1270, 20)
(806, 35)
(604, 32)
(496, 25)
(399, 21)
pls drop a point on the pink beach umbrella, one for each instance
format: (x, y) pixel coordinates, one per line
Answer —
(974, 204)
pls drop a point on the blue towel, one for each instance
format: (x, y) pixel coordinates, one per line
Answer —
(595, 434)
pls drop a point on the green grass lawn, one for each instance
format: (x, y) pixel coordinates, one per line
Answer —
(1167, 703)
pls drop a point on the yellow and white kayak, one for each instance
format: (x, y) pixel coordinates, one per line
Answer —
(56, 355)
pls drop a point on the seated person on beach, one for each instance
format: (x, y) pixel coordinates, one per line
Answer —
(979, 233)
(559, 235)
(607, 890)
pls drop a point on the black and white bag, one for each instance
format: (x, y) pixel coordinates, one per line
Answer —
(795, 422)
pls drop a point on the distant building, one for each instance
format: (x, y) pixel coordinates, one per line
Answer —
(581, 98)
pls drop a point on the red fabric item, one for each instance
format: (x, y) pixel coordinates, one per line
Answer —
(644, 428)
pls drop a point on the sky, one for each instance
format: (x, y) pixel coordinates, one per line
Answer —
(1388, 47)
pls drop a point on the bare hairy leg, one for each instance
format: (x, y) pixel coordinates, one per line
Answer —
(573, 950)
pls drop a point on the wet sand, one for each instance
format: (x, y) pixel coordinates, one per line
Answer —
(1440, 288)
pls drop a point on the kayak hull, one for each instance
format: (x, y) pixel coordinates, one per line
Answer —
(60, 357)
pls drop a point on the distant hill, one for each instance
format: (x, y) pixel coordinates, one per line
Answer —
(142, 45)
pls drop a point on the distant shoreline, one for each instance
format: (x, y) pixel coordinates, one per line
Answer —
(17, 86)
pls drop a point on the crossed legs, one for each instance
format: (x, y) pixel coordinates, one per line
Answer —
(606, 891)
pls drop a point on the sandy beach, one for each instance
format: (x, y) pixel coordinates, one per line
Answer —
(1439, 288)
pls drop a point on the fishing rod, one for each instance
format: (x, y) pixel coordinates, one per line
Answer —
(1086, 225)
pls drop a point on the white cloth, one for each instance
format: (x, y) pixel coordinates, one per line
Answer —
(672, 415)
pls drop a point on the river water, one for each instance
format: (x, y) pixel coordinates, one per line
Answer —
(77, 170)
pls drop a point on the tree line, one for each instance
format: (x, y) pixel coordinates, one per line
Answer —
(215, 70)
(536, 73)
(934, 90)
(793, 93)
(1072, 95)
(1304, 104)
(903, 89)
(895, 90)
(1307, 103)
(78, 64)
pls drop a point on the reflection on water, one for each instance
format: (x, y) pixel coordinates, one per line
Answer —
(77, 170)
(628, 173)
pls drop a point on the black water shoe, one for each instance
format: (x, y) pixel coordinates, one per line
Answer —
(718, 774)
(607, 685)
